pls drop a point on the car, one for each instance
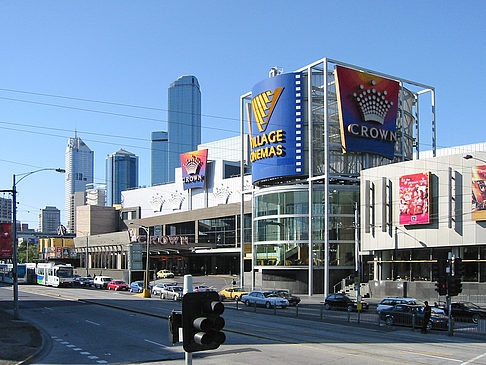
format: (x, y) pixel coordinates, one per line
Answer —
(172, 292)
(117, 285)
(136, 286)
(203, 288)
(101, 282)
(284, 293)
(157, 289)
(466, 312)
(268, 299)
(390, 302)
(342, 301)
(83, 281)
(233, 293)
(404, 315)
(165, 274)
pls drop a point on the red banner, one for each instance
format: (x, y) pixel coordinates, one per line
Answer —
(6, 248)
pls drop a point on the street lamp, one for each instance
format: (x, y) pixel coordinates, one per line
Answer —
(14, 232)
(468, 157)
(146, 289)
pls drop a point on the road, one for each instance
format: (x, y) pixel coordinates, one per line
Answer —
(90, 331)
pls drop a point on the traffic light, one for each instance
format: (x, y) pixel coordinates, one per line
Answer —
(439, 269)
(175, 322)
(201, 321)
(459, 268)
(454, 286)
(441, 286)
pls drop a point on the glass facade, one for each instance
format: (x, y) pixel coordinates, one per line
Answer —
(121, 174)
(159, 171)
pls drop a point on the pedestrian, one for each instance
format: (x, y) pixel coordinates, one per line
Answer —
(426, 319)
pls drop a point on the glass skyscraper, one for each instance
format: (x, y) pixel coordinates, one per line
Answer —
(184, 128)
(158, 163)
(79, 173)
(121, 174)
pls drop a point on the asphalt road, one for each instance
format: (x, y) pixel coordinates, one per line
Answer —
(81, 332)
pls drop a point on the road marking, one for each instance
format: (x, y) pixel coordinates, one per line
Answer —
(155, 343)
(85, 353)
(77, 349)
(93, 357)
(70, 346)
(102, 362)
(48, 308)
(474, 359)
(439, 357)
(64, 343)
(96, 324)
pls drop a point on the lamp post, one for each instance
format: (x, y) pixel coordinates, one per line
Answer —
(146, 289)
(14, 232)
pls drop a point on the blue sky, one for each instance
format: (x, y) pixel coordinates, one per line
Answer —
(127, 53)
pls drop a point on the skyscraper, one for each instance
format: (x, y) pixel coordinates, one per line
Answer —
(121, 174)
(184, 128)
(49, 219)
(159, 171)
(79, 172)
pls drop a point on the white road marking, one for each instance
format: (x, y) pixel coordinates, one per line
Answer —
(77, 349)
(93, 357)
(85, 353)
(439, 357)
(474, 359)
(48, 308)
(102, 362)
(96, 324)
(71, 346)
(64, 343)
(155, 343)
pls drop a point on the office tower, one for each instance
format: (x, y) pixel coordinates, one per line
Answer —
(49, 219)
(5, 210)
(159, 171)
(79, 173)
(184, 129)
(121, 174)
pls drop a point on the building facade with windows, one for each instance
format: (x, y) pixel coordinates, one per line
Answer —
(5, 210)
(49, 219)
(121, 174)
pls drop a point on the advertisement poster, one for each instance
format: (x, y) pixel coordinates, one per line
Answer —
(414, 199)
(479, 193)
(368, 109)
(194, 169)
(6, 249)
(276, 128)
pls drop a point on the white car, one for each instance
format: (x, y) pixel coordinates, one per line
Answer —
(172, 292)
(389, 303)
(157, 289)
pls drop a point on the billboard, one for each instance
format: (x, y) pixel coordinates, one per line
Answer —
(194, 168)
(6, 248)
(479, 193)
(368, 108)
(415, 199)
(276, 128)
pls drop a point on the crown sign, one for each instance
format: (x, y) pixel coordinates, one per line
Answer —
(373, 104)
(192, 165)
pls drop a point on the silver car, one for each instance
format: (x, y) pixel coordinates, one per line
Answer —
(172, 292)
(267, 299)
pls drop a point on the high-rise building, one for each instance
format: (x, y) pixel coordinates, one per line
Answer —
(5, 210)
(79, 173)
(159, 172)
(121, 174)
(184, 129)
(49, 219)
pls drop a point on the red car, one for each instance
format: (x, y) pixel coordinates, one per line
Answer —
(117, 285)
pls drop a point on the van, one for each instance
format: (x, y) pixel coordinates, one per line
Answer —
(101, 282)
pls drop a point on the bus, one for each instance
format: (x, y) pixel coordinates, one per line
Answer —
(51, 274)
(25, 273)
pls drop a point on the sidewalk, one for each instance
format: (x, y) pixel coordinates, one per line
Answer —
(19, 341)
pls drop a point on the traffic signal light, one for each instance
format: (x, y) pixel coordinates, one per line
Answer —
(459, 268)
(441, 286)
(201, 321)
(439, 269)
(454, 286)
(175, 322)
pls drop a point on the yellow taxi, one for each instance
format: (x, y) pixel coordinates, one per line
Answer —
(233, 293)
(165, 274)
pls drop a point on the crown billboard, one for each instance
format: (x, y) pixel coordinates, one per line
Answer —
(194, 168)
(368, 108)
(276, 127)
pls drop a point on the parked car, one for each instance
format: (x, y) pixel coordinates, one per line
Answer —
(101, 282)
(284, 293)
(203, 288)
(117, 285)
(466, 312)
(172, 292)
(165, 274)
(389, 303)
(403, 315)
(342, 301)
(265, 298)
(136, 286)
(233, 293)
(157, 289)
